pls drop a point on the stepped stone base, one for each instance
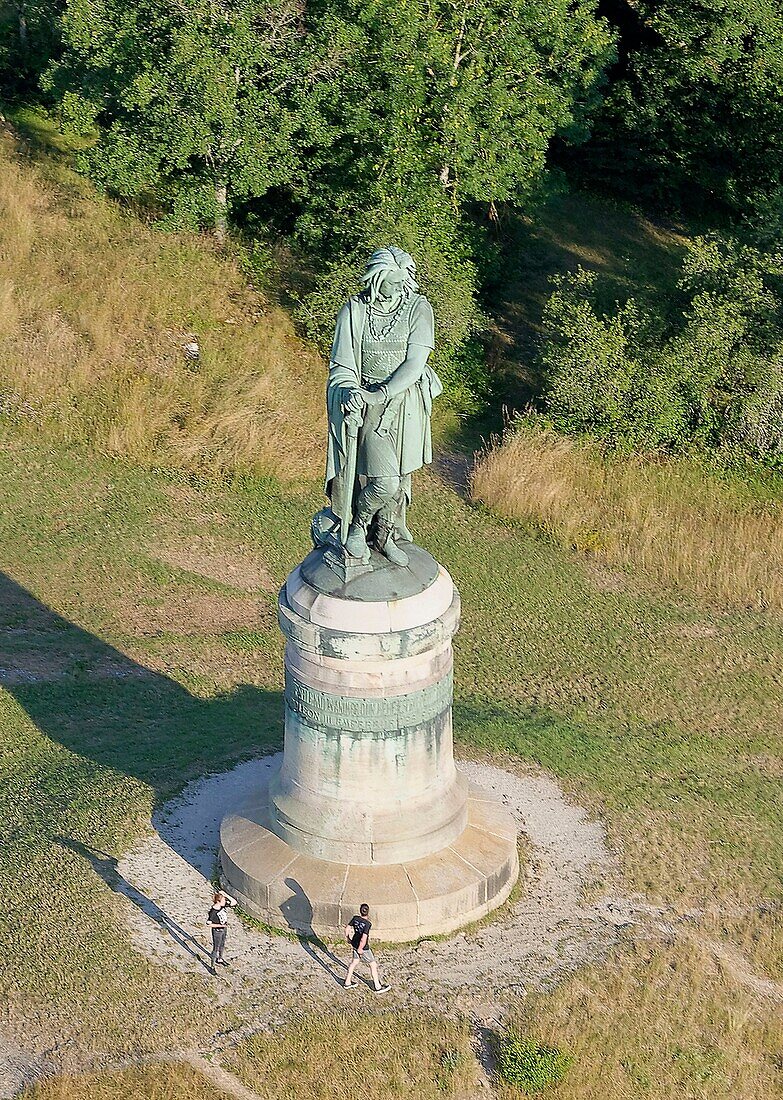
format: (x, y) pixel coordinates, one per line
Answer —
(436, 894)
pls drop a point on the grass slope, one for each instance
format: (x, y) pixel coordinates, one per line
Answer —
(95, 310)
(137, 618)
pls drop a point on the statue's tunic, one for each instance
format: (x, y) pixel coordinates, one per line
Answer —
(395, 438)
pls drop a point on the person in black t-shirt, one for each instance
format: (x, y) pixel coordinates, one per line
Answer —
(357, 933)
(218, 922)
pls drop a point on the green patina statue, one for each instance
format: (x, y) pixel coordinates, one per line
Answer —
(379, 398)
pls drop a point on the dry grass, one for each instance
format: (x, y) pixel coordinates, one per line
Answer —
(162, 1081)
(670, 522)
(94, 311)
(663, 1020)
(361, 1057)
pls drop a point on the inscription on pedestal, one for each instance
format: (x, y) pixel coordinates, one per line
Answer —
(343, 712)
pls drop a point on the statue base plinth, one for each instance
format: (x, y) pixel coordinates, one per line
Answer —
(367, 805)
(409, 901)
(343, 565)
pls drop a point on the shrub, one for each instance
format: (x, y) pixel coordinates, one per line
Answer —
(713, 381)
(600, 376)
(528, 1064)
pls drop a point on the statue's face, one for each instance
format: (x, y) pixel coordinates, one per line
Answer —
(392, 284)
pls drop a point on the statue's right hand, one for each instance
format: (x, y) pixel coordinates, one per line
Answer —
(354, 401)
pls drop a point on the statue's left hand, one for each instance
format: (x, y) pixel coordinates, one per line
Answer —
(373, 397)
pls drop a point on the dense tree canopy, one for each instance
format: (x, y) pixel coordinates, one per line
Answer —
(369, 98)
(194, 102)
(698, 100)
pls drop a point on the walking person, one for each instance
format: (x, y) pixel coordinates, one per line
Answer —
(218, 922)
(357, 933)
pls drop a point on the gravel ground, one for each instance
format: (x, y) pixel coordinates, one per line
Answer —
(561, 919)
(549, 930)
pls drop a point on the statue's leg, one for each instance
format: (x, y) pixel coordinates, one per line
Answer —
(402, 534)
(369, 501)
(387, 522)
(379, 498)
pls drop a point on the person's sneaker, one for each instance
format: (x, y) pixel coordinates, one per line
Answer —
(213, 971)
(383, 989)
(350, 985)
(222, 962)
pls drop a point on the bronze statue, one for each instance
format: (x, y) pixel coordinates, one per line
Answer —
(379, 399)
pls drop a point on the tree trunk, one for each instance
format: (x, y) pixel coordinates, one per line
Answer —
(221, 211)
(22, 17)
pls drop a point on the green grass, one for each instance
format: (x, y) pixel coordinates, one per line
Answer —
(658, 711)
(671, 735)
(349, 1055)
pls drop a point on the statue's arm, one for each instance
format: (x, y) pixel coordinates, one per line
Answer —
(409, 371)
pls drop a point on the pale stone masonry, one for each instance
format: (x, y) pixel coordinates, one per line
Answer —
(368, 804)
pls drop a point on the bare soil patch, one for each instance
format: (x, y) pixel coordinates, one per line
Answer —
(550, 930)
(181, 611)
(235, 566)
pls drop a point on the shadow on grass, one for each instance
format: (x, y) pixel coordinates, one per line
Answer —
(106, 867)
(125, 718)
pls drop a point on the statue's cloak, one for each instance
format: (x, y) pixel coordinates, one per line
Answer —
(413, 434)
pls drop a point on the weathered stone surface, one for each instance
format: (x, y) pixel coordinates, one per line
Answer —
(436, 894)
(370, 616)
(350, 645)
(367, 804)
(385, 582)
(368, 773)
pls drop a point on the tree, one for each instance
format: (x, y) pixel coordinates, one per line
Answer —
(466, 93)
(195, 103)
(28, 41)
(697, 105)
(440, 105)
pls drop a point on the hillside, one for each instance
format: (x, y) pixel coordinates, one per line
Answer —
(150, 512)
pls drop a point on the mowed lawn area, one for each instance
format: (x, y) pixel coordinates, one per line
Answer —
(134, 658)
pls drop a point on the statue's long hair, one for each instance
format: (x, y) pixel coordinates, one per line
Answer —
(384, 260)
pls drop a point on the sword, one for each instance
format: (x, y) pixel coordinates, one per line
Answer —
(353, 421)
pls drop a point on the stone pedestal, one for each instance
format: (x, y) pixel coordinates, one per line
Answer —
(367, 804)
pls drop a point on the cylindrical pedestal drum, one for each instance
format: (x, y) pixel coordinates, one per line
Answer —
(367, 804)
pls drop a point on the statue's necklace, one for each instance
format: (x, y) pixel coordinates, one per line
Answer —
(383, 324)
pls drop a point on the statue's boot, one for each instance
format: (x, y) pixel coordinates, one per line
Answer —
(356, 541)
(401, 532)
(388, 547)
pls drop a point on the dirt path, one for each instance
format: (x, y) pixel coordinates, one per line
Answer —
(549, 931)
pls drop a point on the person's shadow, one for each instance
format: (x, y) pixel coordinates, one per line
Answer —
(106, 867)
(298, 913)
(119, 718)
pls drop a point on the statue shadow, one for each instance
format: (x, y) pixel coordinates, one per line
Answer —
(297, 911)
(119, 717)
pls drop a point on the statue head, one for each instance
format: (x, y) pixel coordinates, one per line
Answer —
(389, 271)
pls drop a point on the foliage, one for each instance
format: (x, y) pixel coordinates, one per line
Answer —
(697, 105)
(712, 381)
(29, 39)
(466, 94)
(528, 1064)
(197, 105)
(446, 271)
(372, 122)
